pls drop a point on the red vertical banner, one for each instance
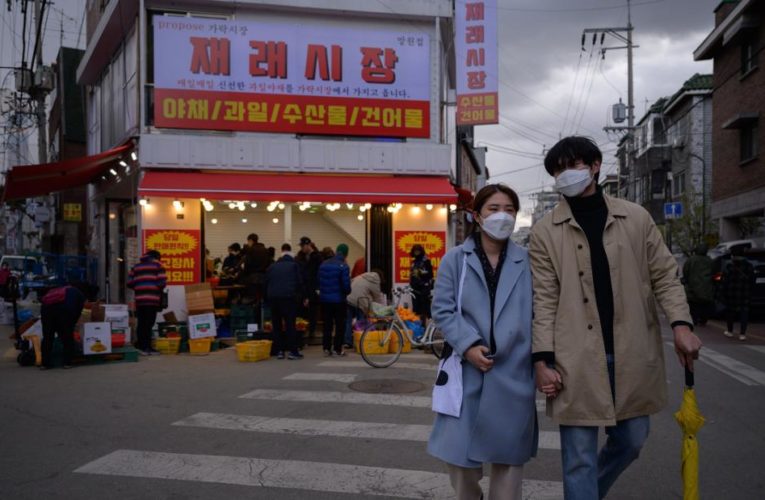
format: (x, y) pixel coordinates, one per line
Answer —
(477, 62)
(180, 250)
(434, 243)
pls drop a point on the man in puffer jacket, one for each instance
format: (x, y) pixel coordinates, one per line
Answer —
(334, 287)
(148, 280)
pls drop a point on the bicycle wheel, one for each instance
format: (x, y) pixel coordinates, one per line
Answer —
(437, 342)
(381, 344)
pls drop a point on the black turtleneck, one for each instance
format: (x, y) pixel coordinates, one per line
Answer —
(590, 213)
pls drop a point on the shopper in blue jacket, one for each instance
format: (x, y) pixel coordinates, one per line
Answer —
(334, 287)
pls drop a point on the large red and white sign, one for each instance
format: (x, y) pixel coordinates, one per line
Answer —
(292, 78)
(477, 68)
(434, 243)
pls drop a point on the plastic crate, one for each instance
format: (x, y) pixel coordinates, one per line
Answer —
(200, 347)
(253, 350)
(167, 345)
(394, 343)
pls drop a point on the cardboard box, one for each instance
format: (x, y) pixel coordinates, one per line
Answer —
(199, 298)
(170, 317)
(117, 315)
(97, 338)
(202, 325)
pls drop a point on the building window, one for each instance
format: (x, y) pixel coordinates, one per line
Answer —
(678, 184)
(748, 56)
(748, 140)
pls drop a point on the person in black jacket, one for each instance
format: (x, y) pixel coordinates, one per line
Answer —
(309, 259)
(60, 310)
(284, 289)
(421, 281)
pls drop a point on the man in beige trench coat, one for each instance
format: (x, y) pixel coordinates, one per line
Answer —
(599, 268)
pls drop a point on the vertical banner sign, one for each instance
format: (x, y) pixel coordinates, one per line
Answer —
(477, 68)
(290, 78)
(180, 253)
(434, 243)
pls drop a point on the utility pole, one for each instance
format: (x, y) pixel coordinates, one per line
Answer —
(630, 128)
(39, 90)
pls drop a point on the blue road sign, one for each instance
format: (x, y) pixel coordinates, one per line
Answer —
(673, 210)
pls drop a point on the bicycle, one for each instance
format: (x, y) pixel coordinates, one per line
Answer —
(382, 341)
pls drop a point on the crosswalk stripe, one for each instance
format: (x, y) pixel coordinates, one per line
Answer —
(758, 348)
(734, 368)
(330, 377)
(312, 427)
(431, 367)
(348, 397)
(292, 474)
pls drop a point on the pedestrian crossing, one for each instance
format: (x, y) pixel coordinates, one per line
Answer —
(313, 475)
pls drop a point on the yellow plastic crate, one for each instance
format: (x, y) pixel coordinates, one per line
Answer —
(200, 347)
(394, 343)
(167, 345)
(372, 343)
(253, 350)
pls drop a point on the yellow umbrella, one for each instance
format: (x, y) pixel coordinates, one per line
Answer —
(690, 420)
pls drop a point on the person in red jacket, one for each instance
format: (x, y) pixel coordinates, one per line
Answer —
(148, 280)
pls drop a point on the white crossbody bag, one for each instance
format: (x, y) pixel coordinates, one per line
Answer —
(447, 391)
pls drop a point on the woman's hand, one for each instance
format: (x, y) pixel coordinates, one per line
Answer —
(548, 379)
(476, 356)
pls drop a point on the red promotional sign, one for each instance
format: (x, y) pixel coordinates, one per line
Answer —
(180, 253)
(434, 243)
(291, 78)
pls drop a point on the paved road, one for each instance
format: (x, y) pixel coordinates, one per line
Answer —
(182, 427)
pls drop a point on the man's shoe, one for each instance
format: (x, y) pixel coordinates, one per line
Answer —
(340, 352)
(294, 355)
(742, 337)
(280, 355)
(327, 353)
(348, 346)
(154, 352)
(143, 352)
(68, 367)
(728, 334)
(42, 368)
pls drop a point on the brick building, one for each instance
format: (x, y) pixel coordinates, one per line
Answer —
(738, 169)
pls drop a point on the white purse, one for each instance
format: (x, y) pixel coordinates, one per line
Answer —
(447, 391)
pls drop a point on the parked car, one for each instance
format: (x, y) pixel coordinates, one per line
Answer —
(727, 247)
(757, 258)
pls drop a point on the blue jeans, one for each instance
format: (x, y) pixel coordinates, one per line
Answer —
(589, 474)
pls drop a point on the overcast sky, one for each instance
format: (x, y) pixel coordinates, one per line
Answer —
(549, 86)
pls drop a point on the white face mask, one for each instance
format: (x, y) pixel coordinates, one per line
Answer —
(499, 225)
(573, 182)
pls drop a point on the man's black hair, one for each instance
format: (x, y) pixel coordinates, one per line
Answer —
(286, 247)
(154, 254)
(569, 150)
(252, 237)
(235, 247)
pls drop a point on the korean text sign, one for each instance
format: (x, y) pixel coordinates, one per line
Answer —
(291, 78)
(180, 253)
(434, 243)
(477, 68)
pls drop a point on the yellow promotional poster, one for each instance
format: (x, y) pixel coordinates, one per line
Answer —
(434, 243)
(72, 212)
(180, 252)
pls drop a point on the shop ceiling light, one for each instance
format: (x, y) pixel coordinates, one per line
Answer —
(349, 205)
(281, 206)
(214, 221)
(368, 205)
(452, 207)
(123, 164)
(113, 172)
(428, 207)
(143, 202)
(232, 205)
(391, 209)
(362, 208)
(133, 156)
(253, 205)
(275, 220)
(302, 208)
(178, 204)
(208, 206)
(360, 217)
(244, 220)
(270, 208)
(416, 210)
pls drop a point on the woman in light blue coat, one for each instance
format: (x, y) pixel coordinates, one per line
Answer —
(482, 303)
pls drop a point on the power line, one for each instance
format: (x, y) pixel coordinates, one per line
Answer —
(577, 9)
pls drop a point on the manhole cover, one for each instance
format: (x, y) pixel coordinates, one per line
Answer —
(387, 386)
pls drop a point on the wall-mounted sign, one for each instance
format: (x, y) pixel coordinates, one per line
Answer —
(434, 243)
(72, 212)
(180, 253)
(292, 78)
(477, 68)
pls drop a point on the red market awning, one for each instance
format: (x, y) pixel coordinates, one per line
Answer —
(28, 181)
(297, 187)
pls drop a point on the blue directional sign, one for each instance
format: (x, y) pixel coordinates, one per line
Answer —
(673, 210)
